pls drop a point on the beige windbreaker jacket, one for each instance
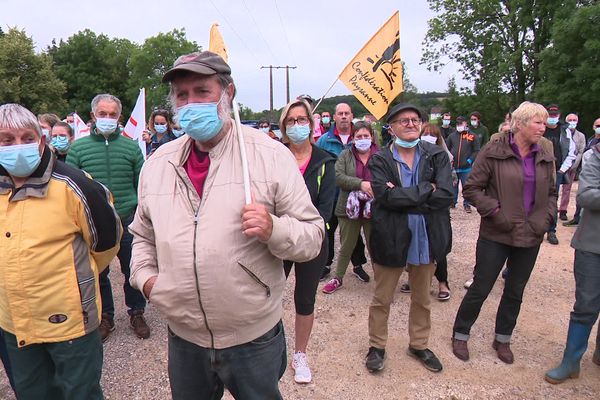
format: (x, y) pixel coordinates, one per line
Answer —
(216, 287)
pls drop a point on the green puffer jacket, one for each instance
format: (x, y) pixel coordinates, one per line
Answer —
(115, 161)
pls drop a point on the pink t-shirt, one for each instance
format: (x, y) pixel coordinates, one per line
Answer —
(305, 165)
(196, 167)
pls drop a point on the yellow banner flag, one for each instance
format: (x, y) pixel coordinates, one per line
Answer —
(216, 43)
(374, 75)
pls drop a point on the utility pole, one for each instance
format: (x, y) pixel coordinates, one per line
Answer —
(287, 85)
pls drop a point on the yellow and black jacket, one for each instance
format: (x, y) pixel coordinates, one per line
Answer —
(57, 232)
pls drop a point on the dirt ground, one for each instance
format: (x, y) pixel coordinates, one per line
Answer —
(137, 369)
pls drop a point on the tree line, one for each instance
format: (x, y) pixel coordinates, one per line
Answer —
(546, 51)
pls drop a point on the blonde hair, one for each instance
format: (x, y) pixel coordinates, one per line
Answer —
(15, 116)
(526, 112)
(286, 111)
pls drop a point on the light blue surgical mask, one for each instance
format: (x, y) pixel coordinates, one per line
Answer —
(60, 143)
(572, 125)
(298, 133)
(265, 130)
(46, 132)
(552, 120)
(597, 131)
(363, 145)
(106, 126)
(406, 144)
(160, 128)
(326, 120)
(200, 120)
(178, 132)
(20, 160)
(445, 123)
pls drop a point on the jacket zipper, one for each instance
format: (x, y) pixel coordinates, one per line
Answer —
(108, 163)
(257, 279)
(196, 212)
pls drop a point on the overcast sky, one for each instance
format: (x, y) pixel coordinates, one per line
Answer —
(318, 37)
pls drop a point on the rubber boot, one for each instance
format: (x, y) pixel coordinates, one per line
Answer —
(596, 357)
(577, 339)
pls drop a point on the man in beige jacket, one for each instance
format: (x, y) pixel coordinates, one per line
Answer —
(211, 264)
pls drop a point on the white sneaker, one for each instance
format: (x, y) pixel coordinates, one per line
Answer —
(468, 283)
(301, 370)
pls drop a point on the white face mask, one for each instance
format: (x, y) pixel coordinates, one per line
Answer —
(460, 128)
(429, 139)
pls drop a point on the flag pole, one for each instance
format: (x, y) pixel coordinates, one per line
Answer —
(322, 97)
(243, 156)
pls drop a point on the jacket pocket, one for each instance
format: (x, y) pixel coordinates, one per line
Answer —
(256, 279)
(538, 227)
(499, 222)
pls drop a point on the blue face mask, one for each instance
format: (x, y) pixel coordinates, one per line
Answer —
(326, 120)
(178, 132)
(60, 143)
(160, 128)
(363, 145)
(106, 126)
(200, 120)
(445, 123)
(405, 144)
(552, 120)
(20, 160)
(265, 130)
(572, 125)
(298, 133)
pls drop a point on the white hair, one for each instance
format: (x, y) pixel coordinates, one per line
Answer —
(106, 97)
(15, 116)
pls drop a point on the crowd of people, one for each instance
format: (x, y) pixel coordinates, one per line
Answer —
(214, 261)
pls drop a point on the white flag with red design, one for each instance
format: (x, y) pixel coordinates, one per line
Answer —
(136, 124)
(81, 129)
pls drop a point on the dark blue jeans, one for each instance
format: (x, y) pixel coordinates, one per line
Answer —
(250, 371)
(490, 258)
(587, 288)
(559, 181)
(462, 178)
(133, 298)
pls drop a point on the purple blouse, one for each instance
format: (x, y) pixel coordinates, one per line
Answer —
(528, 173)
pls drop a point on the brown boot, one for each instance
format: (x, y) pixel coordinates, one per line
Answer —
(504, 352)
(138, 323)
(460, 349)
(107, 325)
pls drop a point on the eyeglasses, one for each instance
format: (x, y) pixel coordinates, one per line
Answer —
(406, 121)
(299, 120)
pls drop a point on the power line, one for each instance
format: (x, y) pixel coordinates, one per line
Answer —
(259, 32)
(284, 32)
(235, 32)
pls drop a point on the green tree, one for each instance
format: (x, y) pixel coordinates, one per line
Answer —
(570, 69)
(150, 62)
(496, 42)
(91, 64)
(27, 78)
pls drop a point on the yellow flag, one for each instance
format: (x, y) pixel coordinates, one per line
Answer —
(216, 43)
(374, 75)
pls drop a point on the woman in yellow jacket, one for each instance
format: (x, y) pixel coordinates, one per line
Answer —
(58, 228)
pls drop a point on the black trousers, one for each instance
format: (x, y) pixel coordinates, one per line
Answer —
(489, 259)
(441, 270)
(358, 254)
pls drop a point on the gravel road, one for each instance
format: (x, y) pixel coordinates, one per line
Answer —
(137, 369)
